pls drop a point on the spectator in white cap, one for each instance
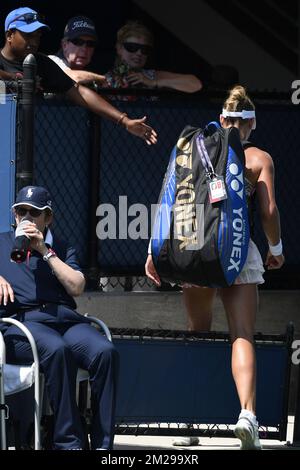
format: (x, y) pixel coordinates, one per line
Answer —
(77, 49)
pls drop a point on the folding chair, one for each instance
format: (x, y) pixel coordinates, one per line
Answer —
(82, 380)
(83, 375)
(15, 378)
(23, 373)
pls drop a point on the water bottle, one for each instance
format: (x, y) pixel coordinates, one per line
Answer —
(22, 242)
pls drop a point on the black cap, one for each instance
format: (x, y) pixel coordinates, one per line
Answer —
(80, 26)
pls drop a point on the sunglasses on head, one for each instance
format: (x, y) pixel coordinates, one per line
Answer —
(135, 46)
(21, 211)
(29, 18)
(83, 42)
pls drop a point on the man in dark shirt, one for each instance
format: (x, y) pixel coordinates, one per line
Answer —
(39, 292)
(23, 30)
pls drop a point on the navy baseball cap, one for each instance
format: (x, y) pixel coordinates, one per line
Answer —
(24, 19)
(34, 196)
(80, 26)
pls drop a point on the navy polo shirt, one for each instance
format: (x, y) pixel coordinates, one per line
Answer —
(33, 282)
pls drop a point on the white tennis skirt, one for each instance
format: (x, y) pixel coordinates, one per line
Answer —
(253, 270)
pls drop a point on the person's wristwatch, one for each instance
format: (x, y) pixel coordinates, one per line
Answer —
(49, 254)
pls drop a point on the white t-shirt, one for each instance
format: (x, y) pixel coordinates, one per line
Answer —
(62, 63)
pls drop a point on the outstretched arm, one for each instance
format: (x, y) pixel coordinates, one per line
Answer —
(85, 75)
(268, 211)
(178, 81)
(77, 75)
(83, 96)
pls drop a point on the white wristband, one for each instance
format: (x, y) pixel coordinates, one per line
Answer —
(276, 250)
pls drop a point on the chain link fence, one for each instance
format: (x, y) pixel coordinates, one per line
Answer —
(62, 152)
(73, 154)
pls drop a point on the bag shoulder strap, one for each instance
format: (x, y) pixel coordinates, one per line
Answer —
(247, 144)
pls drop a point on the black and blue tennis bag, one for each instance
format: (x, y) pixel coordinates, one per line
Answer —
(200, 233)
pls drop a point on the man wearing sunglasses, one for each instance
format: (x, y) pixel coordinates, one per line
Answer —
(77, 50)
(23, 29)
(39, 292)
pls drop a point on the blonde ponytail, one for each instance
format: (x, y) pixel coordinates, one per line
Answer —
(238, 100)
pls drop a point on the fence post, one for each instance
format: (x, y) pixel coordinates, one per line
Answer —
(25, 151)
(296, 433)
(2, 92)
(94, 184)
(298, 38)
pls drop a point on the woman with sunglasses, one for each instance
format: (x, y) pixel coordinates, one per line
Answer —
(77, 49)
(40, 293)
(134, 46)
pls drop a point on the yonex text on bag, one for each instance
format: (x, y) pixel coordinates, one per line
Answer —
(201, 229)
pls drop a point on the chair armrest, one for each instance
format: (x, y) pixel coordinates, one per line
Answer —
(2, 350)
(101, 324)
(28, 335)
(37, 408)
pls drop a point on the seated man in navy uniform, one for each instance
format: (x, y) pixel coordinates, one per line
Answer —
(39, 292)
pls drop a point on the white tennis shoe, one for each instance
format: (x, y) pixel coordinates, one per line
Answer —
(246, 429)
